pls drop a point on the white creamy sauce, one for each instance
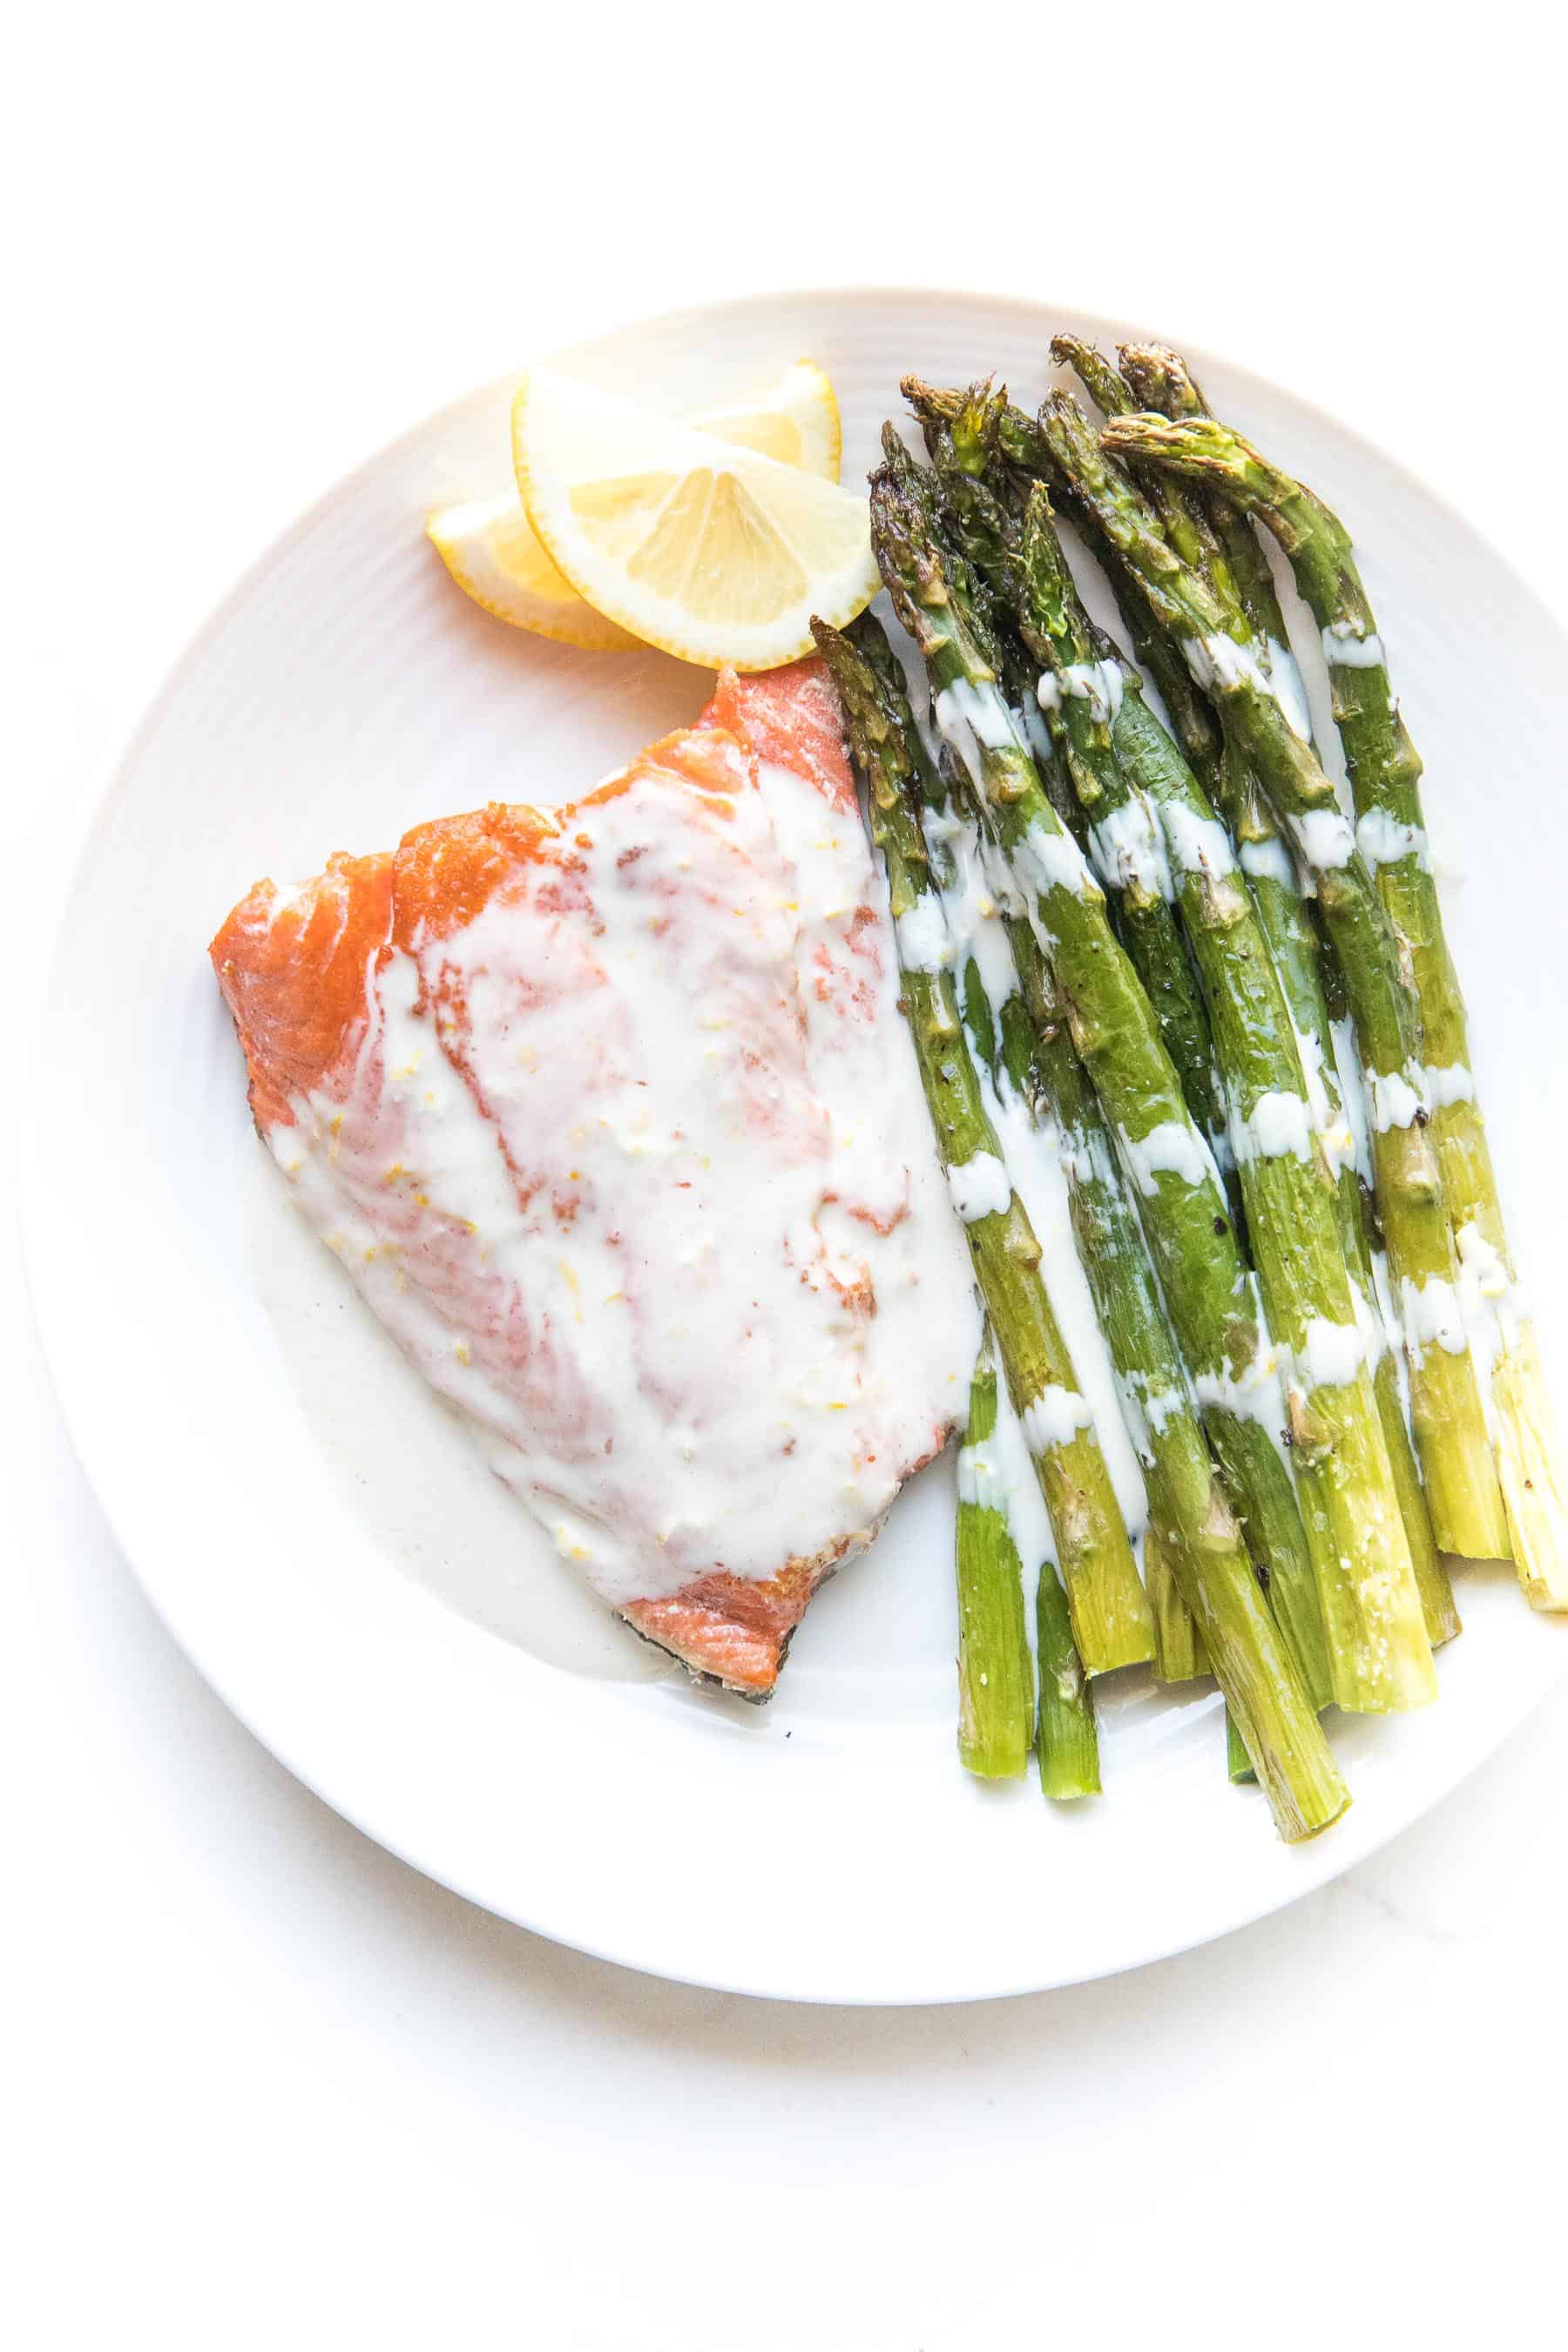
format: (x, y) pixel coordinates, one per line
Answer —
(974, 895)
(1054, 1418)
(642, 1181)
(1257, 1395)
(968, 716)
(1331, 1354)
(988, 714)
(1375, 1338)
(1023, 1505)
(1339, 1146)
(1198, 844)
(1037, 1161)
(922, 937)
(952, 725)
(1387, 1311)
(1290, 688)
(1222, 664)
(1279, 1127)
(1048, 858)
(1396, 1097)
(1326, 839)
(981, 1479)
(1343, 650)
(1097, 683)
(1384, 841)
(1332, 1128)
(1268, 861)
(1158, 1408)
(1145, 1414)
(979, 1188)
(1352, 1094)
(1448, 1084)
(1491, 1303)
(1175, 1147)
(1310, 1053)
(1127, 851)
(1430, 1315)
(408, 1468)
(1039, 735)
(1219, 664)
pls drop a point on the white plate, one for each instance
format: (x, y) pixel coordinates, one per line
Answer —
(315, 1533)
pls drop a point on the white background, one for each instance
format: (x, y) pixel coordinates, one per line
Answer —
(263, 2085)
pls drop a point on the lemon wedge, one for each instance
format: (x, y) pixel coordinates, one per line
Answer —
(489, 545)
(720, 555)
(795, 421)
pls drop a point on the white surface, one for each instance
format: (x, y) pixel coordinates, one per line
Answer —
(830, 1850)
(266, 2084)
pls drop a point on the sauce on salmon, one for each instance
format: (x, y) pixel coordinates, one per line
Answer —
(609, 1112)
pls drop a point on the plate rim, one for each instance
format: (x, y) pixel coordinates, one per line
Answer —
(1314, 1865)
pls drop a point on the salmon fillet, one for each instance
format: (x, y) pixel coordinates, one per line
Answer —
(609, 1113)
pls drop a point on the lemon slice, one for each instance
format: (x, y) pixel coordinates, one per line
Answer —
(795, 421)
(489, 548)
(720, 555)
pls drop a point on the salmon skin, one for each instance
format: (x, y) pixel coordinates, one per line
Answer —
(609, 1113)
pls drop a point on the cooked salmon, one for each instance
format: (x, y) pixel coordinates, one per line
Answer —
(609, 1114)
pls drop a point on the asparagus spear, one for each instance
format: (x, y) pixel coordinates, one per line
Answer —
(995, 1678)
(1016, 1028)
(1065, 1739)
(1212, 1299)
(1163, 382)
(1110, 1614)
(1187, 523)
(1384, 772)
(1449, 1425)
(1239, 1763)
(1021, 445)
(1201, 1536)
(1379, 1652)
(1285, 924)
(1112, 1248)
(1082, 688)
(1366, 1597)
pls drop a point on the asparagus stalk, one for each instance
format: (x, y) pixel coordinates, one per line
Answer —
(1164, 383)
(1200, 1535)
(1368, 1264)
(1110, 1615)
(1220, 543)
(1016, 1029)
(1081, 687)
(1181, 1655)
(1127, 1300)
(1450, 1425)
(1187, 523)
(1212, 1299)
(995, 1678)
(1378, 1654)
(1361, 1589)
(1285, 924)
(1065, 1739)
(1385, 772)
(1021, 448)
(1239, 1763)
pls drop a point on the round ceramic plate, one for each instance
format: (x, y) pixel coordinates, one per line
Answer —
(319, 1536)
